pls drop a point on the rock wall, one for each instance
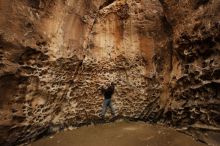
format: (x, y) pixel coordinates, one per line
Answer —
(194, 81)
(56, 55)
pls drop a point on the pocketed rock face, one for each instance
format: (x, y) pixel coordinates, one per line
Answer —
(56, 55)
(195, 79)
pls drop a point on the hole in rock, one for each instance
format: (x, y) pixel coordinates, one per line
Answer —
(34, 3)
(199, 3)
(106, 3)
(8, 85)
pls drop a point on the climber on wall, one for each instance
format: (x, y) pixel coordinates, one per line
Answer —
(108, 92)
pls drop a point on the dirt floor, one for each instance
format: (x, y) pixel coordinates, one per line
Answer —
(119, 134)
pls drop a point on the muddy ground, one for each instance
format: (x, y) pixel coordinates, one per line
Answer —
(121, 133)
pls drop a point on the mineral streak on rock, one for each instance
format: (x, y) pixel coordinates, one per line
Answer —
(163, 56)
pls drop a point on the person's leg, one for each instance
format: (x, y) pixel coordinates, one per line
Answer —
(104, 108)
(112, 108)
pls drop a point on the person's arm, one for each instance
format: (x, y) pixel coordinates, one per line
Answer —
(112, 89)
(102, 90)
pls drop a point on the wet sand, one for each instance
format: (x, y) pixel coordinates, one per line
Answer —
(119, 134)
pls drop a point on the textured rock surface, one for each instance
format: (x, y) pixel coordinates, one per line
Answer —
(195, 79)
(55, 55)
